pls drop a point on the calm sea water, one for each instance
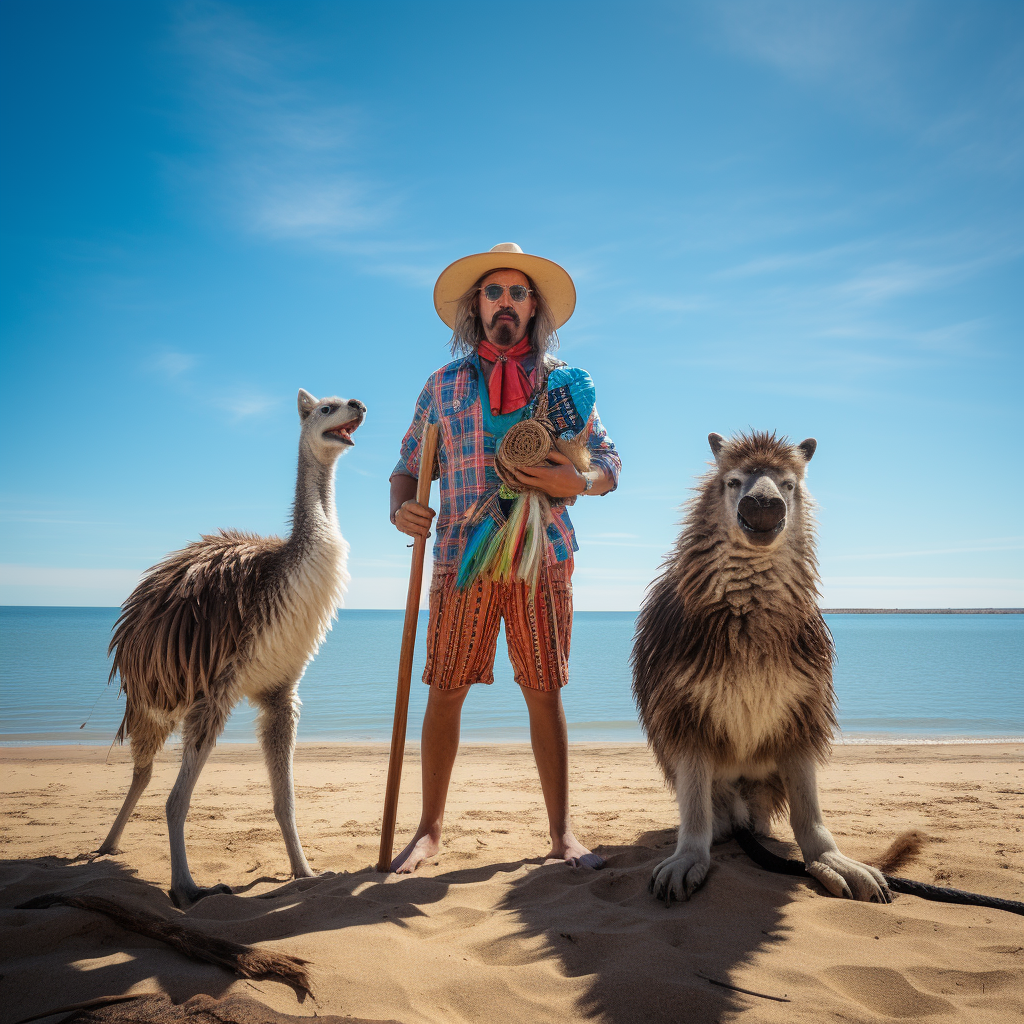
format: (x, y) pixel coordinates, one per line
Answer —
(920, 678)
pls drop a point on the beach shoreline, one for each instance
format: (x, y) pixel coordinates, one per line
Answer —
(42, 741)
(488, 929)
(921, 611)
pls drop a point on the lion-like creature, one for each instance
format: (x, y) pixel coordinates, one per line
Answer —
(732, 667)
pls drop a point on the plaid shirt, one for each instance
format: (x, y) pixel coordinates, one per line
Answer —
(465, 455)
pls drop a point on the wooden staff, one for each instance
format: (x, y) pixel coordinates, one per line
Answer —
(412, 609)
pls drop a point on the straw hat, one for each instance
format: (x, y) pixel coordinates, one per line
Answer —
(553, 282)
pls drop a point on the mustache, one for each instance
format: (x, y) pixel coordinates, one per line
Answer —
(505, 311)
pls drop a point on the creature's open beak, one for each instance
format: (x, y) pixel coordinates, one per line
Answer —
(761, 536)
(344, 431)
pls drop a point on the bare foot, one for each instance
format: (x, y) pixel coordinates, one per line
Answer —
(574, 853)
(420, 849)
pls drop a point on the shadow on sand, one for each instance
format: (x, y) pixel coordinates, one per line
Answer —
(643, 960)
(629, 957)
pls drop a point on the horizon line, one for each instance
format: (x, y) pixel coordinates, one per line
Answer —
(981, 610)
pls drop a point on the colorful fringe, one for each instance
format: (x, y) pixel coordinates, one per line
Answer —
(505, 545)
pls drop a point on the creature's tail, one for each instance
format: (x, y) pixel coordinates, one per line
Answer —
(904, 848)
(779, 865)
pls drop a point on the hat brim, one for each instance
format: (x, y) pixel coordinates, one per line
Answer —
(551, 280)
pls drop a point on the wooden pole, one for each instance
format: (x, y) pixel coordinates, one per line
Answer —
(412, 610)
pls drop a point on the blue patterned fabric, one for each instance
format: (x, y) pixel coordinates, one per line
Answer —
(571, 397)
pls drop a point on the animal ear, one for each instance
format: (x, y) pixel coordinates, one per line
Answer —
(307, 403)
(808, 447)
(716, 441)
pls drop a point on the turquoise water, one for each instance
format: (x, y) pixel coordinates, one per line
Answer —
(917, 678)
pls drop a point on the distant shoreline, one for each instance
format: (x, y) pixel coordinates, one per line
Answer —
(614, 611)
(922, 611)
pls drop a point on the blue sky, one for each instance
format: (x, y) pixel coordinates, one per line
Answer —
(796, 216)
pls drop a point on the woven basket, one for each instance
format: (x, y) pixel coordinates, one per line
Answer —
(527, 443)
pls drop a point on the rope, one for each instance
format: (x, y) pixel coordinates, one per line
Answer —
(526, 443)
(939, 894)
(93, 708)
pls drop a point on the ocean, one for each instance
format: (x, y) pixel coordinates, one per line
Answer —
(899, 678)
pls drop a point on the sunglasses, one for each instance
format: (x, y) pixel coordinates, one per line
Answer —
(516, 292)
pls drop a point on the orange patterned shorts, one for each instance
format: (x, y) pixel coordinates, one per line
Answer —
(462, 631)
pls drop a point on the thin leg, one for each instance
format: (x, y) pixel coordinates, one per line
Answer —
(203, 724)
(550, 740)
(145, 746)
(279, 719)
(841, 875)
(678, 876)
(140, 780)
(440, 743)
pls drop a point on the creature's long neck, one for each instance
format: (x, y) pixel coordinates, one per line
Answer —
(314, 517)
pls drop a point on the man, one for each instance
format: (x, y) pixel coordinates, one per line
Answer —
(504, 307)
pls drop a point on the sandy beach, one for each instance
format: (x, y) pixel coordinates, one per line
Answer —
(490, 932)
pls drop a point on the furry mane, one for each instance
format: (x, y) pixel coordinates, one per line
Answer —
(759, 448)
(714, 605)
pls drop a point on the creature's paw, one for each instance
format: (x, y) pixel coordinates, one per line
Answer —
(679, 876)
(843, 876)
(106, 849)
(185, 897)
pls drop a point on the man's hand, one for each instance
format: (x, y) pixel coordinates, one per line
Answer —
(557, 478)
(414, 519)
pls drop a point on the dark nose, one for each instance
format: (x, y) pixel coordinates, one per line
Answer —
(762, 513)
(356, 404)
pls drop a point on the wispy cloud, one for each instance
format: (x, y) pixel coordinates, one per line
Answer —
(173, 364)
(846, 45)
(882, 58)
(880, 282)
(843, 322)
(284, 156)
(238, 400)
(776, 263)
(243, 404)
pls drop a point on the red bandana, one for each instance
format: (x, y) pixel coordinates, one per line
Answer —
(509, 386)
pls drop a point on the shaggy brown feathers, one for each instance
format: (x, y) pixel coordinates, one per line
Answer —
(721, 613)
(190, 617)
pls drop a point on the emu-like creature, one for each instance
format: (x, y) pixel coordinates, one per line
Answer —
(732, 667)
(234, 615)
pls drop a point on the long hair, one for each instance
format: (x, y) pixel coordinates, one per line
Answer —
(469, 328)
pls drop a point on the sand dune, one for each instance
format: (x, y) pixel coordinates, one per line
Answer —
(490, 932)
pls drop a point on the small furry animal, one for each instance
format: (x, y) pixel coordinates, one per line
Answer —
(732, 667)
(235, 615)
